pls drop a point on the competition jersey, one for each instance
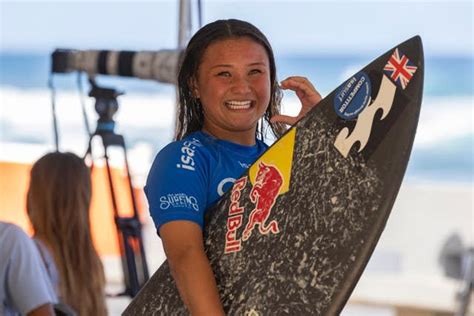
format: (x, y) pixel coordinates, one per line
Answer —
(190, 175)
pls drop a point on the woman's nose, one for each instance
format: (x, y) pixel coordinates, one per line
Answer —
(240, 85)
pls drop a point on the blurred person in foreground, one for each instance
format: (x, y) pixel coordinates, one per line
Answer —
(58, 204)
(25, 286)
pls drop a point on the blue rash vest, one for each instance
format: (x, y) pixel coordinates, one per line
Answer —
(189, 176)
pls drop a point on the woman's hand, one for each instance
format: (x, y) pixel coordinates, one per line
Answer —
(307, 94)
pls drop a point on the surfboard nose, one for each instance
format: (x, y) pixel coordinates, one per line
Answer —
(416, 43)
(416, 40)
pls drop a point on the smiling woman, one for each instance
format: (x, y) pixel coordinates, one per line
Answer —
(227, 89)
(233, 86)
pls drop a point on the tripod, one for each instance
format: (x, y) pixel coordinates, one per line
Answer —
(130, 239)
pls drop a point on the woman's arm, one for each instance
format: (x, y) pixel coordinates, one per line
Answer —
(184, 248)
(43, 310)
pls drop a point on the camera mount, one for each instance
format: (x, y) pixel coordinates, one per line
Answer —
(106, 105)
(129, 229)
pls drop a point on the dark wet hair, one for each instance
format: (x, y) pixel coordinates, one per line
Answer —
(190, 114)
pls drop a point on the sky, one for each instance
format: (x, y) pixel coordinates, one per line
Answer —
(293, 27)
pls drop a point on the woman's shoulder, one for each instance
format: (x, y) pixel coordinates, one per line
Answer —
(11, 233)
(190, 145)
(186, 154)
(15, 242)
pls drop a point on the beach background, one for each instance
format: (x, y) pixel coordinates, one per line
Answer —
(324, 41)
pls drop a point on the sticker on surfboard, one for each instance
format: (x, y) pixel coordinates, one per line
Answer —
(400, 69)
(353, 96)
(270, 177)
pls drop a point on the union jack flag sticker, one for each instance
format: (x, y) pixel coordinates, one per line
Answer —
(400, 69)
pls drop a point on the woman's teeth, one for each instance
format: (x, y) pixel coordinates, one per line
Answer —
(238, 105)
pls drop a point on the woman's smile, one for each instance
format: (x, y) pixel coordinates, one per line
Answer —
(239, 105)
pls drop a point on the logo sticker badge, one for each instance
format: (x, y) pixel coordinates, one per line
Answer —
(363, 128)
(353, 96)
(400, 69)
(264, 193)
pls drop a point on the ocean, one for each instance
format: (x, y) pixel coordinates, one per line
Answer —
(443, 149)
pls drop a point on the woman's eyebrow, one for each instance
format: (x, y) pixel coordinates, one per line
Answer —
(260, 63)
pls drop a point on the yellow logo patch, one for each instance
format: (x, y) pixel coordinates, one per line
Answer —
(279, 155)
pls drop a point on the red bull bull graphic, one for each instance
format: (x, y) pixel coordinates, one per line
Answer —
(270, 177)
(264, 193)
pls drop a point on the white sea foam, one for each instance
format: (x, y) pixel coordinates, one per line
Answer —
(444, 119)
(28, 108)
(26, 131)
(26, 114)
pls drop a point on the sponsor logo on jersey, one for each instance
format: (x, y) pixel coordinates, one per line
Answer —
(187, 154)
(225, 184)
(244, 165)
(221, 185)
(178, 200)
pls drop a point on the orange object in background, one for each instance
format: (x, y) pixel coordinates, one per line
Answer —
(13, 189)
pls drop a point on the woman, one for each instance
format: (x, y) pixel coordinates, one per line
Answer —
(58, 206)
(228, 93)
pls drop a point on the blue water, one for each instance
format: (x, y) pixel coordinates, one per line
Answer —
(444, 77)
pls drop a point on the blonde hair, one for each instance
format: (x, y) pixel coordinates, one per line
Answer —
(58, 203)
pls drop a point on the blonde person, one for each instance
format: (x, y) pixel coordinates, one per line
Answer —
(228, 93)
(58, 203)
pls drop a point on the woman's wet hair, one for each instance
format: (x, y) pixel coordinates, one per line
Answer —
(190, 114)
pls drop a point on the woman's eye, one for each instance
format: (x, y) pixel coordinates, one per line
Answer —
(255, 71)
(224, 74)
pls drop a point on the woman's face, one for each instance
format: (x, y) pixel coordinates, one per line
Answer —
(233, 84)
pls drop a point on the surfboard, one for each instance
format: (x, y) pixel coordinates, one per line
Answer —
(295, 232)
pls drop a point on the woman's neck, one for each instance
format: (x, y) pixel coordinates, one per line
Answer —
(246, 138)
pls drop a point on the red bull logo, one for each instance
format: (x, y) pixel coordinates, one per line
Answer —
(270, 177)
(234, 221)
(264, 194)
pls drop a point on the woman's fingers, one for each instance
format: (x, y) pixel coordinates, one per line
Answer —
(303, 88)
(307, 94)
